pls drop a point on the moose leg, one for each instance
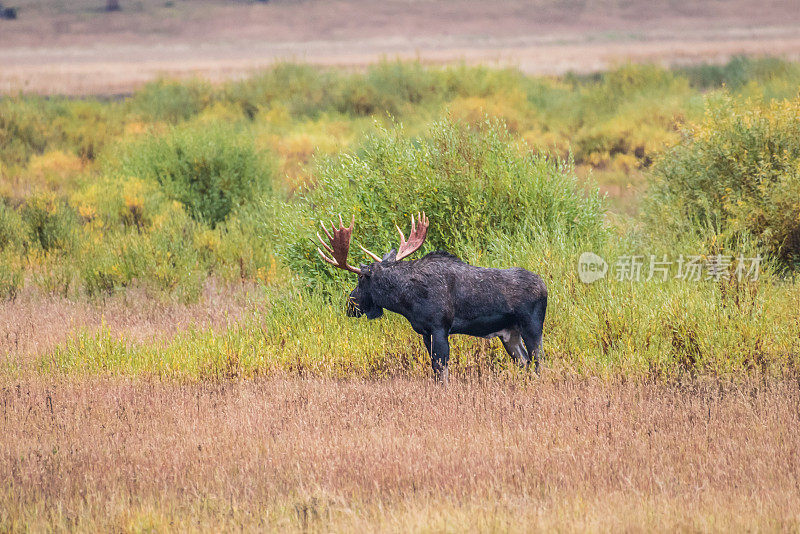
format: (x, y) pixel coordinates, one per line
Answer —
(533, 342)
(426, 339)
(532, 333)
(512, 342)
(440, 355)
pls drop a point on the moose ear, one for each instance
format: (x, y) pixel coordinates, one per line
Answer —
(390, 256)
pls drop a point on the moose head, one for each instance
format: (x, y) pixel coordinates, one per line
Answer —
(361, 300)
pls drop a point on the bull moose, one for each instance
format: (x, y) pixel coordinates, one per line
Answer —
(441, 295)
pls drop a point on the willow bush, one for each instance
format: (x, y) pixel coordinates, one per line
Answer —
(736, 173)
(477, 186)
(210, 169)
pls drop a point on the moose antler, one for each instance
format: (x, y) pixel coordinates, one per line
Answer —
(415, 238)
(371, 254)
(340, 245)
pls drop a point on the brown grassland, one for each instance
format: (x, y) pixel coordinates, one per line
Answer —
(320, 455)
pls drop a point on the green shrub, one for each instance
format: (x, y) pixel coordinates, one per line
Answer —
(236, 250)
(390, 86)
(361, 99)
(477, 187)
(407, 82)
(304, 90)
(86, 126)
(641, 129)
(173, 261)
(55, 275)
(307, 91)
(50, 223)
(632, 79)
(619, 87)
(739, 71)
(12, 229)
(23, 129)
(33, 125)
(481, 81)
(113, 263)
(171, 101)
(163, 259)
(11, 275)
(738, 171)
(121, 202)
(210, 169)
(397, 87)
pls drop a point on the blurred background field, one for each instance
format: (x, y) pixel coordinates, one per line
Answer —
(76, 48)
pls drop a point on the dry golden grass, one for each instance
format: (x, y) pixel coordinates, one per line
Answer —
(398, 455)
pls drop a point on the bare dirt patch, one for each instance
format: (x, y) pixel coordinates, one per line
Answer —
(81, 50)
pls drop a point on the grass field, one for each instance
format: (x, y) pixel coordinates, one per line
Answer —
(174, 356)
(399, 455)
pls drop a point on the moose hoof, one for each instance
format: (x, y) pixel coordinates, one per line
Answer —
(442, 376)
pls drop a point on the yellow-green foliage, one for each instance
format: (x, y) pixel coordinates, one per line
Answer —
(11, 228)
(50, 224)
(187, 180)
(33, 125)
(737, 172)
(210, 169)
(771, 74)
(10, 274)
(481, 185)
(171, 101)
(647, 330)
